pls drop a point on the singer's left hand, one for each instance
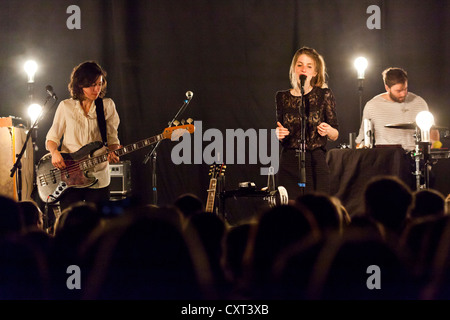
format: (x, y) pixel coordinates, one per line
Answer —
(325, 129)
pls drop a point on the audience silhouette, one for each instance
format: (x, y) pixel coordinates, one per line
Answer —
(310, 249)
(427, 202)
(147, 256)
(211, 231)
(276, 229)
(388, 201)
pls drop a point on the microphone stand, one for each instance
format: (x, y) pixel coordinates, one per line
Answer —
(152, 153)
(18, 164)
(302, 143)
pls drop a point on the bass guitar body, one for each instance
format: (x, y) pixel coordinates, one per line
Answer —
(53, 182)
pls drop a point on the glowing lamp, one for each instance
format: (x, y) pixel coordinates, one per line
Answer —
(34, 111)
(361, 66)
(425, 121)
(30, 68)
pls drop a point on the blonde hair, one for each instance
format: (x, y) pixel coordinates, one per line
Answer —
(320, 79)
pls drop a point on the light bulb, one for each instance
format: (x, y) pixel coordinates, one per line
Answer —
(34, 110)
(361, 66)
(30, 68)
(425, 121)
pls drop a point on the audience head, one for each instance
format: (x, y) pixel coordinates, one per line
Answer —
(427, 202)
(11, 219)
(78, 220)
(188, 204)
(210, 228)
(387, 200)
(275, 230)
(32, 214)
(328, 216)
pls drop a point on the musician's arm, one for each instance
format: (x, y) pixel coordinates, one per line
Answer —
(57, 159)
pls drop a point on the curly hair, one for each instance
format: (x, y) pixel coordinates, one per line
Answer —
(83, 76)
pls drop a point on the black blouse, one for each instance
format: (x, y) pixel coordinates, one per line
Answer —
(320, 106)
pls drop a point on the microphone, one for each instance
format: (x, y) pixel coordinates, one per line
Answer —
(302, 80)
(189, 95)
(50, 92)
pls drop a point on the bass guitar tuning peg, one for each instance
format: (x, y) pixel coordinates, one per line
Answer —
(176, 122)
(189, 120)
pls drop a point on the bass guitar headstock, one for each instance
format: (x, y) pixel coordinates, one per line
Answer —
(176, 131)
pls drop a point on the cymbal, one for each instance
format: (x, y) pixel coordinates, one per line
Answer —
(406, 125)
(410, 125)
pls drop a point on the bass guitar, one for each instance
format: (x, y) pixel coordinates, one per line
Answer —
(53, 182)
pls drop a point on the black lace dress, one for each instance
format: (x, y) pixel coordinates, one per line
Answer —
(320, 106)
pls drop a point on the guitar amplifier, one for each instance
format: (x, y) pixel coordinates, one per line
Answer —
(120, 179)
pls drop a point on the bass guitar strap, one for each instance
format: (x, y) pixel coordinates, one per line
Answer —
(101, 119)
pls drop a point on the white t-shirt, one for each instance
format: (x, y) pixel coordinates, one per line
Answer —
(78, 129)
(381, 112)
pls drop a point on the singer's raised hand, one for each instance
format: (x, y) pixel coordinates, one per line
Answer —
(281, 131)
(325, 129)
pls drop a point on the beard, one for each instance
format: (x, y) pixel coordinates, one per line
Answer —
(396, 99)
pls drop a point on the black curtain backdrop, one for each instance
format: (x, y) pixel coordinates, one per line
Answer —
(232, 54)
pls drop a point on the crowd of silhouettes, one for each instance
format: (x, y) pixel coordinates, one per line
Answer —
(309, 249)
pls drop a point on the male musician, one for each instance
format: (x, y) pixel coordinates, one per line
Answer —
(396, 105)
(77, 125)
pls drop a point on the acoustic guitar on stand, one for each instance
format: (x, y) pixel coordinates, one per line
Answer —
(53, 182)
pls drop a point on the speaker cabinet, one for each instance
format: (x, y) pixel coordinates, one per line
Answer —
(11, 142)
(120, 179)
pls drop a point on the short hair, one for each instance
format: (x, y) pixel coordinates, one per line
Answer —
(320, 79)
(189, 204)
(427, 202)
(393, 76)
(387, 200)
(32, 214)
(83, 76)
